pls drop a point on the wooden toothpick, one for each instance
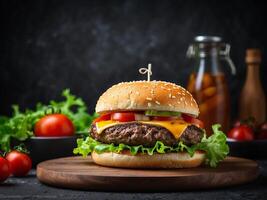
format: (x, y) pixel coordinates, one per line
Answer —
(147, 71)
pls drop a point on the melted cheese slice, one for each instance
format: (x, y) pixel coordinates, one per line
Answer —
(176, 127)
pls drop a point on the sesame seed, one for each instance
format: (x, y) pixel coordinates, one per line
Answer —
(149, 104)
(173, 97)
(148, 98)
(137, 92)
(170, 95)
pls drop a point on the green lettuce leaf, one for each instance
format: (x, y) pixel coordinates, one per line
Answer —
(214, 146)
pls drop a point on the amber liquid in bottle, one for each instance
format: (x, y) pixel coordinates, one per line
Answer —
(212, 96)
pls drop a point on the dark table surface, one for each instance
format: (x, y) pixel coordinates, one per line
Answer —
(30, 188)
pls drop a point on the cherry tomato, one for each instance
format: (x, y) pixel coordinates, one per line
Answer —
(104, 117)
(160, 118)
(193, 120)
(242, 133)
(54, 125)
(123, 116)
(20, 163)
(4, 169)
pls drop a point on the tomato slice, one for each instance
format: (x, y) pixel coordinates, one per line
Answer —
(104, 117)
(123, 116)
(186, 117)
(198, 122)
(193, 120)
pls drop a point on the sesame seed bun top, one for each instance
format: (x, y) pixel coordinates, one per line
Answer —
(147, 95)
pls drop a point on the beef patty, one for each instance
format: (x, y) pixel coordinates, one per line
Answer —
(135, 133)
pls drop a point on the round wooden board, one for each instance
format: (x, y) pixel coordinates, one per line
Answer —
(82, 173)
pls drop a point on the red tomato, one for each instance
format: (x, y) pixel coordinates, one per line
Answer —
(198, 122)
(193, 120)
(160, 118)
(104, 117)
(20, 163)
(123, 116)
(186, 117)
(242, 133)
(54, 125)
(4, 169)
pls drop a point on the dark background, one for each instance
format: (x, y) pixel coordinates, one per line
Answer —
(88, 46)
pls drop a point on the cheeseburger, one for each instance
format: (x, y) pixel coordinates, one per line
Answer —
(150, 124)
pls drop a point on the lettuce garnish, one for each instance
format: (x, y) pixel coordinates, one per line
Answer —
(215, 147)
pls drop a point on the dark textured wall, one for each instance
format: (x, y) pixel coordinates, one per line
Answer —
(89, 45)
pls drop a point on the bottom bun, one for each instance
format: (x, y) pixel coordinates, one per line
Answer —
(166, 160)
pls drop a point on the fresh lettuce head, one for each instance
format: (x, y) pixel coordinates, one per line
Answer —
(20, 125)
(215, 147)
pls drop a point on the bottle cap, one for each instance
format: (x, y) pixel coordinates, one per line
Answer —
(207, 39)
(253, 56)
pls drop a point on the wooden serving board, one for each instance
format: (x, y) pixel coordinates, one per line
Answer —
(82, 173)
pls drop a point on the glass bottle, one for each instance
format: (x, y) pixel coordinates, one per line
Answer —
(207, 82)
(252, 98)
